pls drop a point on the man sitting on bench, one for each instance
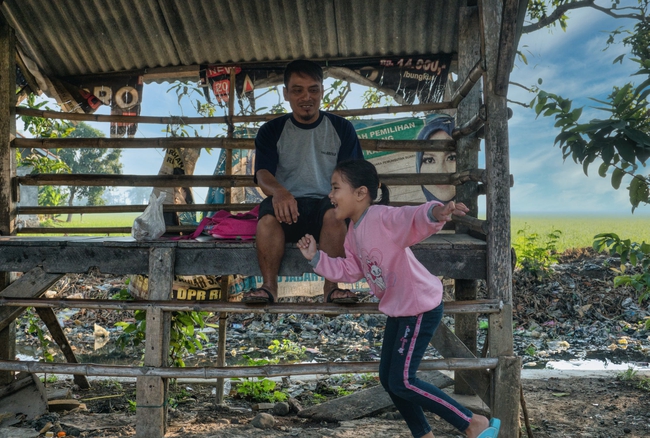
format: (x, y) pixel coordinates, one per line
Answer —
(294, 158)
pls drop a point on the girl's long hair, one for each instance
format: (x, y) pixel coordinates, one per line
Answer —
(363, 173)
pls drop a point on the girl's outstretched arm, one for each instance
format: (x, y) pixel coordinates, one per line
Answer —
(307, 245)
(444, 213)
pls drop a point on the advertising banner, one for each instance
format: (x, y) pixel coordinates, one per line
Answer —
(416, 77)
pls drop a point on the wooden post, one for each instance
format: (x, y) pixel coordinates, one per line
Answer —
(467, 158)
(506, 384)
(499, 282)
(151, 395)
(7, 126)
(7, 170)
(223, 316)
(49, 318)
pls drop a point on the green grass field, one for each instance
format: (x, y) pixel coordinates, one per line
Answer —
(97, 220)
(577, 231)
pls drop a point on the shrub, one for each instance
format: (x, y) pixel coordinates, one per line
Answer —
(536, 254)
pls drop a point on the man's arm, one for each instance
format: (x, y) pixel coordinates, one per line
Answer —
(266, 162)
(284, 204)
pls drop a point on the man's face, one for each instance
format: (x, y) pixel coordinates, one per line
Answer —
(304, 95)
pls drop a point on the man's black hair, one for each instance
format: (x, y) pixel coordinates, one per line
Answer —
(303, 67)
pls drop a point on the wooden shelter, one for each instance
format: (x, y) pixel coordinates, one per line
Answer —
(50, 41)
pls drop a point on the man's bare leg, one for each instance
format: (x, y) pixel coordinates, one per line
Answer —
(270, 249)
(332, 236)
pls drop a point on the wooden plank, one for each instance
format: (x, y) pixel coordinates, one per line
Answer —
(513, 19)
(57, 259)
(505, 397)
(16, 385)
(30, 401)
(33, 284)
(175, 120)
(366, 402)
(499, 279)
(448, 345)
(96, 209)
(451, 307)
(213, 142)
(7, 351)
(151, 392)
(130, 257)
(232, 372)
(63, 405)
(466, 329)
(7, 126)
(49, 318)
(112, 180)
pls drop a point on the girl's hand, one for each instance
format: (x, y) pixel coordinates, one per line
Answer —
(307, 246)
(444, 213)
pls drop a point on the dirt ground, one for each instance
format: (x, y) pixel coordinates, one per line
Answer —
(557, 407)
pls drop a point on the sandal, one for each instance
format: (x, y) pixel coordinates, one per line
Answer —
(493, 429)
(341, 300)
(248, 298)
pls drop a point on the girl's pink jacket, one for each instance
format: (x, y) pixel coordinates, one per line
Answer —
(377, 249)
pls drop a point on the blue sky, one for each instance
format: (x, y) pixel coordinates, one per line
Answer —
(571, 64)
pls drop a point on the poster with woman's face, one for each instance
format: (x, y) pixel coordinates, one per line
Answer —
(437, 162)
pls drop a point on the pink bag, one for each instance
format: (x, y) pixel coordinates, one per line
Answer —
(224, 225)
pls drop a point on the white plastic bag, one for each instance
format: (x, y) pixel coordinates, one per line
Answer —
(150, 225)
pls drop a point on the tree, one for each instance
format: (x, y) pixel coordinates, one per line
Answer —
(85, 160)
(620, 143)
(89, 160)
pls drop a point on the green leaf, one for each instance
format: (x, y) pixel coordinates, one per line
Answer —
(602, 169)
(607, 153)
(575, 114)
(620, 95)
(619, 59)
(626, 151)
(639, 137)
(617, 176)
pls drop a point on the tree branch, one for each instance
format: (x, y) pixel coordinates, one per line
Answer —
(562, 9)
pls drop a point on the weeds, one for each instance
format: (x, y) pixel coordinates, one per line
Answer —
(33, 324)
(184, 338)
(631, 376)
(260, 390)
(535, 253)
(251, 362)
(637, 254)
(287, 349)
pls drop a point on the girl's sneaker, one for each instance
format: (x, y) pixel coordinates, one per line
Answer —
(493, 429)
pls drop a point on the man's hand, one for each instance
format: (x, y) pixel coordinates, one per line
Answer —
(444, 213)
(307, 246)
(285, 207)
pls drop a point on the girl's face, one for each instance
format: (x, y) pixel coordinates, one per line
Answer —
(349, 203)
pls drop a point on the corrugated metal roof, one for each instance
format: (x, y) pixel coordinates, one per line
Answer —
(73, 37)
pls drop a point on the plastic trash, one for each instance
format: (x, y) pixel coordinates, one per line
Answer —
(150, 225)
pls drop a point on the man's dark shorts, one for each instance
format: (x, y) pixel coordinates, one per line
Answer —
(310, 220)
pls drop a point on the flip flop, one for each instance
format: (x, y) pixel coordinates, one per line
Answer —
(492, 431)
(341, 300)
(248, 298)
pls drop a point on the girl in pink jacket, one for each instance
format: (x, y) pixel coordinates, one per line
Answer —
(377, 249)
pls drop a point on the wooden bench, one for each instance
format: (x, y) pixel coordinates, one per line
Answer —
(458, 256)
